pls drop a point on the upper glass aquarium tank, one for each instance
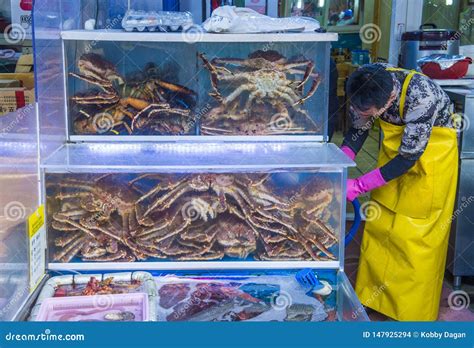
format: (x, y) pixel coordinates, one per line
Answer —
(142, 85)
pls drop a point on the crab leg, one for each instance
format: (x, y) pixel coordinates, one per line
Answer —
(311, 92)
(76, 185)
(252, 222)
(154, 229)
(325, 229)
(214, 77)
(101, 99)
(288, 95)
(70, 251)
(270, 203)
(76, 213)
(106, 258)
(212, 130)
(63, 241)
(174, 233)
(176, 192)
(231, 61)
(216, 255)
(59, 226)
(309, 70)
(157, 109)
(174, 87)
(159, 188)
(105, 84)
(92, 253)
(65, 219)
(319, 245)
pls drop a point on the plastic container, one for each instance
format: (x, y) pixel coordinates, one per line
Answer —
(161, 20)
(360, 57)
(445, 67)
(74, 286)
(123, 307)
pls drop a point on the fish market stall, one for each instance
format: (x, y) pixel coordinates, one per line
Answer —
(187, 178)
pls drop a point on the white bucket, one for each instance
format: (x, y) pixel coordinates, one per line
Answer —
(468, 51)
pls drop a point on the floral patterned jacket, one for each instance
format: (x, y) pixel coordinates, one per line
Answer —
(426, 105)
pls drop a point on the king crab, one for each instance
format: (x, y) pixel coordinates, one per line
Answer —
(117, 103)
(265, 78)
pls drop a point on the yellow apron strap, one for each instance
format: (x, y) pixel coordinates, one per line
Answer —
(406, 84)
(403, 96)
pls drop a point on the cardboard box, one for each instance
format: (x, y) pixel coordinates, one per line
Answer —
(27, 79)
(12, 99)
(24, 64)
(10, 84)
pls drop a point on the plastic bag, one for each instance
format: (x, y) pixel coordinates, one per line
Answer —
(231, 19)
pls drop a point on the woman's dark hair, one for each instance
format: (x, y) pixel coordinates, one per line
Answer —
(370, 86)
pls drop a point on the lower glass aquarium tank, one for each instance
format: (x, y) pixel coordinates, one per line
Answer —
(173, 203)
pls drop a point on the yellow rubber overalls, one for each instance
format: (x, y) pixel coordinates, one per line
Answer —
(403, 252)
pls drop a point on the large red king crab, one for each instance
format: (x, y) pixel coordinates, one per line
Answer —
(140, 106)
(263, 82)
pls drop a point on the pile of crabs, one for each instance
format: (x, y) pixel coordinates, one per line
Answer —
(189, 217)
(260, 95)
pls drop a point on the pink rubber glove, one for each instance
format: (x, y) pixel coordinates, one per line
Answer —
(348, 152)
(364, 184)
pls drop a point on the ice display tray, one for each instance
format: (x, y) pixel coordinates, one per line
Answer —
(254, 296)
(147, 286)
(123, 307)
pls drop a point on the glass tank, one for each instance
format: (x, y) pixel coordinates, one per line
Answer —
(19, 199)
(233, 202)
(248, 88)
(264, 88)
(131, 88)
(142, 86)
